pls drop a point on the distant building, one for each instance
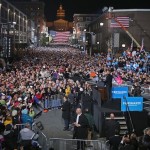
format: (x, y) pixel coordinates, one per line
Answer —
(60, 24)
(80, 25)
(9, 14)
(13, 28)
(109, 34)
(34, 9)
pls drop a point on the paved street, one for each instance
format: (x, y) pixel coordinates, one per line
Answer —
(53, 125)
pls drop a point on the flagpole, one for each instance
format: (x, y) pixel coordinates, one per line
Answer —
(142, 44)
(131, 47)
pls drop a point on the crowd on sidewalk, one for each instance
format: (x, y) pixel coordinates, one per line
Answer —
(46, 72)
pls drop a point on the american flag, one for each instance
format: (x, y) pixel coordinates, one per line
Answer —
(61, 36)
(124, 21)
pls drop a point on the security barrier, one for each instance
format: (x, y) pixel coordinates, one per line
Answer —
(42, 139)
(71, 144)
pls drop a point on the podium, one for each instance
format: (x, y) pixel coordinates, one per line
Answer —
(103, 93)
(102, 90)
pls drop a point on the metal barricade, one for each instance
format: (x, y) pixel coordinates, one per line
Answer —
(55, 101)
(20, 127)
(42, 139)
(71, 144)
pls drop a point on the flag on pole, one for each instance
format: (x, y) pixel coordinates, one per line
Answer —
(142, 44)
(123, 20)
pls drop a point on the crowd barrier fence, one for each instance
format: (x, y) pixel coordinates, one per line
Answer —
(71, 144)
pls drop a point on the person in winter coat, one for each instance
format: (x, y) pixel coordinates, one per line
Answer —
(15, 117)
(8, 120)
(9, 137)
(25, 118)
(66, 113)
(67, 90)
(28, 138)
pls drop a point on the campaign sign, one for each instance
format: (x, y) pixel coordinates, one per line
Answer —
(132, 104)
(119, 91)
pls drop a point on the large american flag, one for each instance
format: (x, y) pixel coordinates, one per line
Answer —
(61, 36)
(124, 21)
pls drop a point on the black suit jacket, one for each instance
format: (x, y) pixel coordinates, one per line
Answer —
(110, 127)
(82, 131)
(108, 81)
(114, 142)
(66, 110)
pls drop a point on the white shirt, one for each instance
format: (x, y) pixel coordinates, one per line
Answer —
(77, 119)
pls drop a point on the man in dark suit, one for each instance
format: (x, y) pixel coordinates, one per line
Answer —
(108, 83)
(115, 140)
(80, 129)
(66, 113)
(111, 126)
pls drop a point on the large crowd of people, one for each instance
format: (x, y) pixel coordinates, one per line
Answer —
(48, 73)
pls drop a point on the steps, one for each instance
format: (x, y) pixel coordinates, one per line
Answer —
(122, 121)
(146, 105)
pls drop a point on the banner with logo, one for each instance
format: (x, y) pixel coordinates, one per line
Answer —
(119, 91)
(132, 104)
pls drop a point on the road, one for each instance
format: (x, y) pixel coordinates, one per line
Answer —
(53, 124)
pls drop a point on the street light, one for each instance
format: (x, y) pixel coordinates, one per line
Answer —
(101, 24)
(123, 45)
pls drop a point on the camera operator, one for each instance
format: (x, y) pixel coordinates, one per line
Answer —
(136, 89)
(125, 143)
(146, 139)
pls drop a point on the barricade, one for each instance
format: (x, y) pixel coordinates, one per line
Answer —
(71, 144)
(42, 139)
(55, 101)
(19, 127)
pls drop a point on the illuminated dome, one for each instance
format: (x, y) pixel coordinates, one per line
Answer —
(60, 13)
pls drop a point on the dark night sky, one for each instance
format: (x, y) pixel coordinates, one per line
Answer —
(88, 6)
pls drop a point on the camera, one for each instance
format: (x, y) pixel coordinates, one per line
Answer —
(126, 134)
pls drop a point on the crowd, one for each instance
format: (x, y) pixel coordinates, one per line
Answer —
(45, 74)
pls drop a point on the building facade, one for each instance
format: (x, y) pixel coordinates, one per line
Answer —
(60, 24)
(34, 9)
(14, 27)
(119, 37)
(80, 25)
(9, 14)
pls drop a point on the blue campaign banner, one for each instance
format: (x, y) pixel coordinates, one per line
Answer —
(134, 104)
(119, 91)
